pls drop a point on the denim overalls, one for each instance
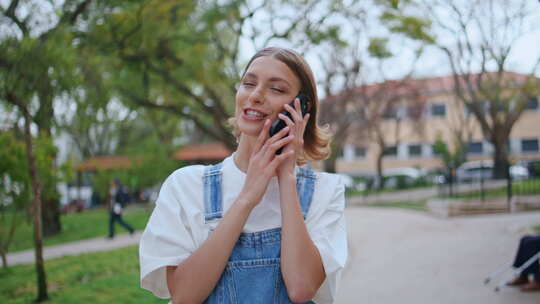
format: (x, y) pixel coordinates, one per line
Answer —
(253, 273)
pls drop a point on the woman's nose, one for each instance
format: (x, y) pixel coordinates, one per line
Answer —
(257, 95)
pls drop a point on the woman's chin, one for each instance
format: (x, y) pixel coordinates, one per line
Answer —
(251, 133)
(250, 130)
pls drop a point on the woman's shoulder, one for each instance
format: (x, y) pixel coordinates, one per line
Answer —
(329, 179)
(188, 172)
(184, 176)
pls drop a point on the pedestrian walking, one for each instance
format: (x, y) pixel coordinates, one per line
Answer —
(117, 202)
(259, 227)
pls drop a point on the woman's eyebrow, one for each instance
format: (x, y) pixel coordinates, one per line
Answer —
(272, 79)
(250, 75)
(277, 79)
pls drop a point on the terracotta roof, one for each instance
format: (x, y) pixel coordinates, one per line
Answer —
(105, 162)
(425, 85)
(207, 151)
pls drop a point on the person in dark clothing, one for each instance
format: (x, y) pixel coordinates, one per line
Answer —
(117, 202)
(528, 246)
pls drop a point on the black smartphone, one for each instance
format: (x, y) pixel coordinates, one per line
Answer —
(279, 124)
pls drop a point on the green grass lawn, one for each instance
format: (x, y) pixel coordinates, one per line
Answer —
(418, 206)
(84, 225)
(103, 277)
(526, 187)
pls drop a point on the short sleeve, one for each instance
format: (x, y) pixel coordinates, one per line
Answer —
(166, 240)
(327, 229)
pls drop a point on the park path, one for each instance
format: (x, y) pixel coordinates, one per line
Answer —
(75, 248)
(400, 256)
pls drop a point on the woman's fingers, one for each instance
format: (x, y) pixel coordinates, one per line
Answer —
(263, 136)
(272, 148)
(287, 120)
(296, 111)
(280, 159)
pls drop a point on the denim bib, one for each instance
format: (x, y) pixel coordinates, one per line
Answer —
(253, 273)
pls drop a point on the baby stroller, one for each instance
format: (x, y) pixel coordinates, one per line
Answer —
(506, 270)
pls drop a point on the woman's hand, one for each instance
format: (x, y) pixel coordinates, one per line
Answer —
(264, 162)
(297, 127)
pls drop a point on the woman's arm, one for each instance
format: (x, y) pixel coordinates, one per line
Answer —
(196, 276)
(301, 264)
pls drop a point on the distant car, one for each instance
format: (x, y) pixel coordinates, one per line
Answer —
(532, 165)
(476, 170)
(402, 177)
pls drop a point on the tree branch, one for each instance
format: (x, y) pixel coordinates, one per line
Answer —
(11, 14)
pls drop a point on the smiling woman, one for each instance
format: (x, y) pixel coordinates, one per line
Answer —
(258, 225)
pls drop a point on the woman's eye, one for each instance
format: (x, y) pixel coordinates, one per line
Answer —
(278, 90)
(249, 84)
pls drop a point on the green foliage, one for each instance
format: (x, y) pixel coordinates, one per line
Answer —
(103, 277)
(451, 158)
(413, 27)
(378, 47)
(14, 188)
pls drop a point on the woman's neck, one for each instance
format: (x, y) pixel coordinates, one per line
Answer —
(243, 152)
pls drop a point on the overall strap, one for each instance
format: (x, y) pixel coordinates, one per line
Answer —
(213, 207)
(305, 185)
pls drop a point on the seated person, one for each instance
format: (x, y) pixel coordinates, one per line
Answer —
(528, 247)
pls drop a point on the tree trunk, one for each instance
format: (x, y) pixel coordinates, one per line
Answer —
(51, 217)
(36, 203)
(500, 157)
(50, 204)
(379, 180)
(330, 164)
(4, 259)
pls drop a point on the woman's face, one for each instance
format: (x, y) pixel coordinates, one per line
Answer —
(266, 87)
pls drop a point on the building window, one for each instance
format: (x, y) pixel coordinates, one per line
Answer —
(532, 104)
(438, 110)
(359, 152)
(390, 112)
(415, 150)
(529, 145)
(390, 151)
(475, 147)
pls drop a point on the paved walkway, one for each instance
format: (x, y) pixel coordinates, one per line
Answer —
(401, 256)
(74, 248)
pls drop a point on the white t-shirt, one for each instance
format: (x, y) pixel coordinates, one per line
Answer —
(177, 227)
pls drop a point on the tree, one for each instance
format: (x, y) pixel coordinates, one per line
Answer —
(386, 105)
(478, 38)
(37, 59)
(185, 58)
(361, 55)
(35, 64)
(452, 156)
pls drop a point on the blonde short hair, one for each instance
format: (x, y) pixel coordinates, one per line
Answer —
(316, 138)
